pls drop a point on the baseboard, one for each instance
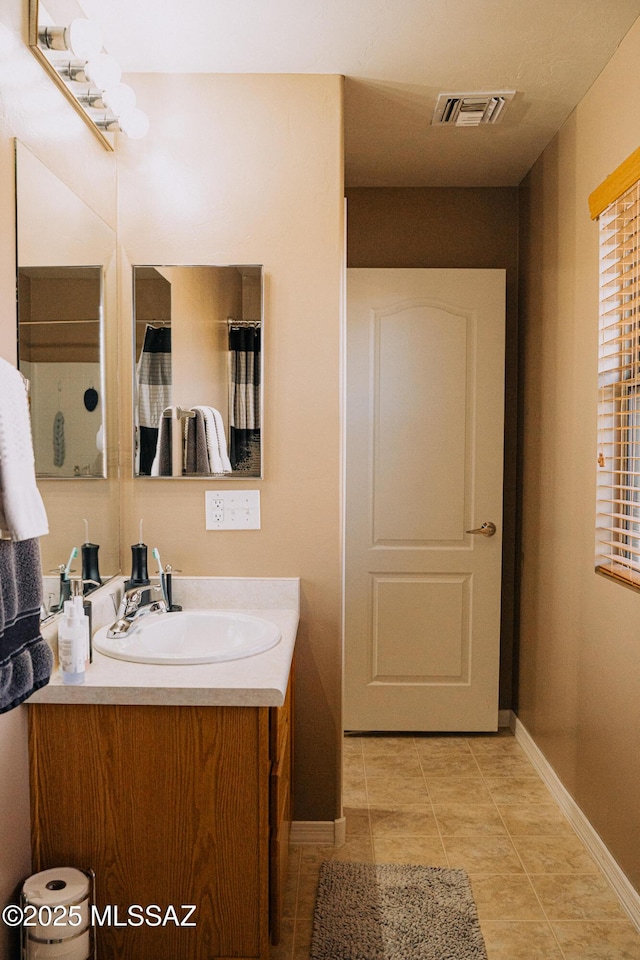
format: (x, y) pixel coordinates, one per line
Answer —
(320, 832)
(627, 894)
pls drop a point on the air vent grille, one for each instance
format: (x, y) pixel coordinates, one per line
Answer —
(471, 109)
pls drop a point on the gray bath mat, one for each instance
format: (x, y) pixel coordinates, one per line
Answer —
(367, 911)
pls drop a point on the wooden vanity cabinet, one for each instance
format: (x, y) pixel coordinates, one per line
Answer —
(170, 806)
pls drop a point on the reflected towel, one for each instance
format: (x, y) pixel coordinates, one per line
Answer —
(162, 464)
(197, 455)
(222, 440)
(216, 442)
(22, 513)
(26, 660)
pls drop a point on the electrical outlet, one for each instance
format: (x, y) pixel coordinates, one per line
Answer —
(232, 509)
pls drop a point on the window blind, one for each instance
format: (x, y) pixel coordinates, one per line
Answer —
(618, 507)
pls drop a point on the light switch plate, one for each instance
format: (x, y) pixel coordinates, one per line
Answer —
(232, 509)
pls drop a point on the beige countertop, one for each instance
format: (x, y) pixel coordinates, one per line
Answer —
(256, 681)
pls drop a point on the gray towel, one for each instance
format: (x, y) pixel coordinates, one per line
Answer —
(197, 453)
(26, 660)
(162, 465)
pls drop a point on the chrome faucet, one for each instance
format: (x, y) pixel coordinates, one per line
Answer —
(132, 609)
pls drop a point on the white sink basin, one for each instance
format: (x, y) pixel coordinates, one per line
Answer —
(190, 636)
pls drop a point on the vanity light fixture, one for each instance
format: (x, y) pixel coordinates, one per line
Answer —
(90, 78)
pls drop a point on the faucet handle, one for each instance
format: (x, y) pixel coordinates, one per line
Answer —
(130, 601)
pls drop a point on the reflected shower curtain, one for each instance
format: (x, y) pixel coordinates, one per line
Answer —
(244, 398)
(153, 393)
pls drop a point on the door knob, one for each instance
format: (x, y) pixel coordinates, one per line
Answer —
(486, 530)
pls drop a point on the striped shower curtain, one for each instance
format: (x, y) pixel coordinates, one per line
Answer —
(153, 393)
(244, 398)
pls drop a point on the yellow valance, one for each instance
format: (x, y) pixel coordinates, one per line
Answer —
(615, 184)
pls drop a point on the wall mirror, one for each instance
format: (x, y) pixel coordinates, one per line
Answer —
(60, 340)
(67, 337)
(64, 251)
(197, 350)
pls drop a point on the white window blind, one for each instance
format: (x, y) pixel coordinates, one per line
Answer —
(618, 509)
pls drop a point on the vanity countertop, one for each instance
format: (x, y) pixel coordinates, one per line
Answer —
(255, 681)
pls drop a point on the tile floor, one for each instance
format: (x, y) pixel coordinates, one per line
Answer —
(477, 803)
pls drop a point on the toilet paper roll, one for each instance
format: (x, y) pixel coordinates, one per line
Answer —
(64, 885)
(51, 894)
(79, 949)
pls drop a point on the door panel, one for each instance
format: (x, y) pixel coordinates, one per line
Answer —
(425, 395)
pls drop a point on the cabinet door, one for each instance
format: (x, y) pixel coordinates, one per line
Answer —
(169, 806)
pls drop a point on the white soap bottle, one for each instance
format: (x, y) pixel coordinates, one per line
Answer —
(72, 642)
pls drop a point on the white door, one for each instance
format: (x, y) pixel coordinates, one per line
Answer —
(424, 464)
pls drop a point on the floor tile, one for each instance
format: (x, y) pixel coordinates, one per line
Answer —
(351, 746)
(579, 897)
(420, 850)
(458, 790)
(302, 945)
(393, 766)
(396, 790)
(529, 789)
(554, 855)
(312, 856)
(357, 821)
(442, 746)
(449, 765)
(468, 819)
(495, 745)
(535, 820)
(290, 896)
(358, 848)
(306, 900)
(416, 821)
(353, 766)
(519, 940)
(505, 898)
(504, 765)
(482, 854)
(474, 802)
(354, 793)
(388, 747)
(598, 940)
(284, 949)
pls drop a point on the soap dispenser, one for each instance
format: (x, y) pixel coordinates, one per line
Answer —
(72, 642)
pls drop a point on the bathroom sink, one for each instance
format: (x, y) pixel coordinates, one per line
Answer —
(190, 636)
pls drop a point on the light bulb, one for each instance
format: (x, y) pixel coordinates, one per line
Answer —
(103, 70)
(83, 39)
(134, 124)
(119, 98)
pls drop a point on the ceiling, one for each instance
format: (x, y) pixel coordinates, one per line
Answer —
(396, 56)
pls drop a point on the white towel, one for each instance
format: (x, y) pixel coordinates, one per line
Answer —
(22, 513)
(222, 440)
(216, 441)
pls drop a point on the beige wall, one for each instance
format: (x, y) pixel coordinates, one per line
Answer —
(454, 228)
(580, 646)
(31, 109)
(248, 169)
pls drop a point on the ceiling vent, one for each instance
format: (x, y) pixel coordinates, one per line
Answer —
(471, 109)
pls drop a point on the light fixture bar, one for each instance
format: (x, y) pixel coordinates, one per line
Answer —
(89, 77)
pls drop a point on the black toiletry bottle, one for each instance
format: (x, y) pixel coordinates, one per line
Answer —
(139, 571)
(65, 589)
(90, 572)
